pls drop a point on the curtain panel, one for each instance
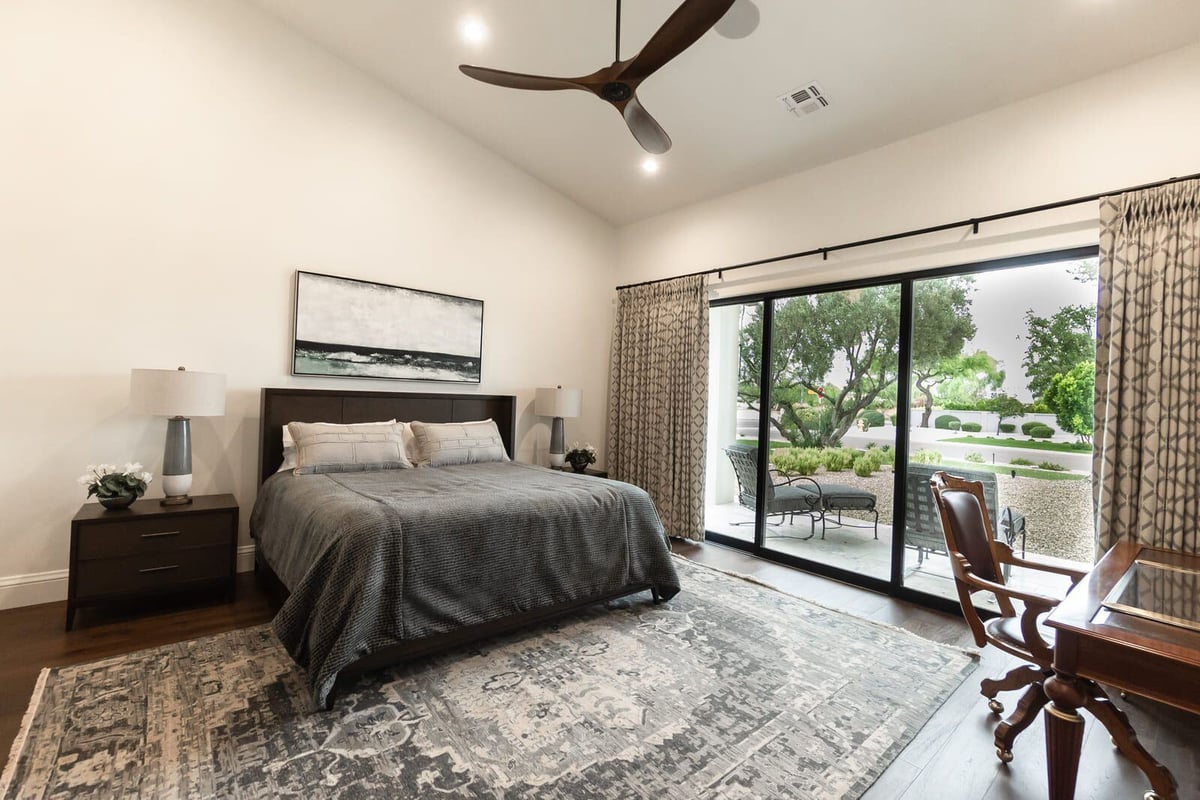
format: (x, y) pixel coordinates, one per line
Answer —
(1146, 463)
(658, 403)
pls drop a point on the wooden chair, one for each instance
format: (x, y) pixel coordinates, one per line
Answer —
(978, 560)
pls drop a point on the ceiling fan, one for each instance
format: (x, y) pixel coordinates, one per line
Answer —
(617, 84)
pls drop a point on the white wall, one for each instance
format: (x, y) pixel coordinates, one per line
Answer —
(1132, 126)
(166, 167)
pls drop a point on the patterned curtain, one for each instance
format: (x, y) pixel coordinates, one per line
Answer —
(1146, 467)
(658, 403)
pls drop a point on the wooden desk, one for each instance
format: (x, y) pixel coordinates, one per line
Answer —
(1148, 658)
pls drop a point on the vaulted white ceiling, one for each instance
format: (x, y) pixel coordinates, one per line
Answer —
(891, 69)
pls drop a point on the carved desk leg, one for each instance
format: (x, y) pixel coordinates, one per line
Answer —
(1064, 734)
(1123, 735)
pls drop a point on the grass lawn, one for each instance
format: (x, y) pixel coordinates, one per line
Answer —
(1024, 472)
(1025, 444)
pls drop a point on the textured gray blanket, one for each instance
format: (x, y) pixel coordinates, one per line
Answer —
(376, 558)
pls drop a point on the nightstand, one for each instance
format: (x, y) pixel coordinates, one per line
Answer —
(595, 473)
(150, 549)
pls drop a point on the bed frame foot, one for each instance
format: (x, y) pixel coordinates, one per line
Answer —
(654, 594)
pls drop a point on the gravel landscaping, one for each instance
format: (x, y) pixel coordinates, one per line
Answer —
(1058, 513)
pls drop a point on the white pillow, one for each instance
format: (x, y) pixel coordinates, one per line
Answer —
(447, 443)
(289, 444)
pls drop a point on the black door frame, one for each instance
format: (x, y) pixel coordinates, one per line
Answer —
(894, 585)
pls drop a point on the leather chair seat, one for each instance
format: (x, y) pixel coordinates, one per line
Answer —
(1008, 630)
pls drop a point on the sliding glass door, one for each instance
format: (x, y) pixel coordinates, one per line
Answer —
(982, 371)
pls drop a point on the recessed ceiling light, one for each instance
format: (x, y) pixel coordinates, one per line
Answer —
(650, 165)
(473, 30)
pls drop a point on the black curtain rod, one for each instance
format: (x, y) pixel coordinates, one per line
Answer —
(974, 223)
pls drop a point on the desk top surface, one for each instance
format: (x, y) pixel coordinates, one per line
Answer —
(1083, 615)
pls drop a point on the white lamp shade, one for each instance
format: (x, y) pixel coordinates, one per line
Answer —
(177, 392)
(557, 402)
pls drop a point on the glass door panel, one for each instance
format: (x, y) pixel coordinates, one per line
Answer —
(733, 403)
(1001, 387)
(832, 401)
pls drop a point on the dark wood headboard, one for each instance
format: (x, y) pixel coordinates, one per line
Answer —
(281, 406)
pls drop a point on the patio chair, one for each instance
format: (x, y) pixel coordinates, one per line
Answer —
(976, 558)
(922, 522)
(791, 496)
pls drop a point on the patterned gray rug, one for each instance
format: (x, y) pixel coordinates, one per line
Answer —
(731, 690)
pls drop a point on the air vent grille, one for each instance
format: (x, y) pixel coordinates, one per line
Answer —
(807, 99)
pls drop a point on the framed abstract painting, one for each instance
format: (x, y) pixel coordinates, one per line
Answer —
(361, 329)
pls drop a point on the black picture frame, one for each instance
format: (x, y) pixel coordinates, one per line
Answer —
(353, 328)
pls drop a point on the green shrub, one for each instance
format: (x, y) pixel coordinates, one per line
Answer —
(1026, 427)
(975, 458)
(837, 459)
(1041, 432)
(972, 427)
(947, 422)
(797, 460)
(865, 467)
(1007, 427)
(892, 419)
(1081, 446)
(1050, 465)
(926, 457)
(1020, 462)
(887, 455)
(872, 418)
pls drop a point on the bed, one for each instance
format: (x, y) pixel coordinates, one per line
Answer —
(380, 566)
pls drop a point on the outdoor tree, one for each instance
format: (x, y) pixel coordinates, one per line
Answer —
(1070, 397)
(1005, 407)
(980, 377)
(1057, 344)
(857, 330)
(835, 354)
(942, 324)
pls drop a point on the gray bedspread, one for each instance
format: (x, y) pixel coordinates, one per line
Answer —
(376, 558)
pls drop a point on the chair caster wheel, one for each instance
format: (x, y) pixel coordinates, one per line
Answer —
(995, 706)
(1007, 756)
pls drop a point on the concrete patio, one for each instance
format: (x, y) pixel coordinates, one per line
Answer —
(855, 549)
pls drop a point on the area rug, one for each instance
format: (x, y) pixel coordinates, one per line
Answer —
(731, 690)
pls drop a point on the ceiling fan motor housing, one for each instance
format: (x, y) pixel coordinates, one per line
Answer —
(616, 92)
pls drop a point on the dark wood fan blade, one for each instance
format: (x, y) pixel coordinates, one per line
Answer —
(681, 30)
(649, 134)
(517, 80)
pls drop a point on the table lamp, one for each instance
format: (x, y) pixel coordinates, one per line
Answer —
(557, 403)
(178, 395)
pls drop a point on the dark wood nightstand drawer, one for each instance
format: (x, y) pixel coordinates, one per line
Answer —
(151, 571)
(150, 536)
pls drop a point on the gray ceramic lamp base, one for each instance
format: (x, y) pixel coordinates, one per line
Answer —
(558, 451)
(177, 462)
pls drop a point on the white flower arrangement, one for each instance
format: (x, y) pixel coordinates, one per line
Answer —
(585, 454)
(106, 481)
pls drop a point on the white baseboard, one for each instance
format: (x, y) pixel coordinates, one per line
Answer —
(245, 558)
(51, 587)
(31, 590)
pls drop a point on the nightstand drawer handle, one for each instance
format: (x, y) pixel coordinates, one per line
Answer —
(159, 535)
(159, 569)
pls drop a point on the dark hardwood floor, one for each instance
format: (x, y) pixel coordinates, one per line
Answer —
(950, 758)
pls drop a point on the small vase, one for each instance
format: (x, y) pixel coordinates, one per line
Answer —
(579, 466)
(118, 502)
